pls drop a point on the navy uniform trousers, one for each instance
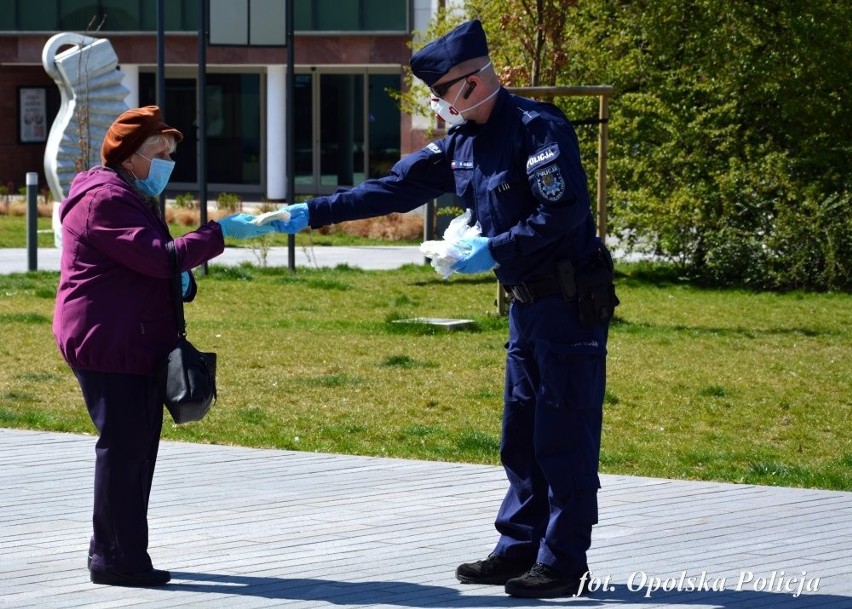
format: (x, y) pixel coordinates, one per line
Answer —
(128, 414)
(550, 448)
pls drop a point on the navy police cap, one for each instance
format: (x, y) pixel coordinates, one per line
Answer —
(467, 41)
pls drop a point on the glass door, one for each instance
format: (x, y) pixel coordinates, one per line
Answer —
(303, 144)
(233, 128)
(347, 129)
(341, 131)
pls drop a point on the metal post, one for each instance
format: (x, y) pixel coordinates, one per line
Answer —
(161, 76)
(290, 126)
(429, 223)
(202, 116)
(602, 146)
(32, 221)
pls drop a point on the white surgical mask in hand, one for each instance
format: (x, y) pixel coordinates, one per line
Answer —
(445, 253)
(270, 216)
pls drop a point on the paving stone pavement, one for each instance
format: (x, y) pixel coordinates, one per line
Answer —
(249, 528)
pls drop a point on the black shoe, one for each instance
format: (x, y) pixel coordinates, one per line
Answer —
(543, 582)
(140, 579)
(493, 570)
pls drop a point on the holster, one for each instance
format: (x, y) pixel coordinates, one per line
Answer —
(595, 289)
(592, 287)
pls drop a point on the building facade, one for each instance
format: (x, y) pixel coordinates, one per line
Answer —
(348, 54)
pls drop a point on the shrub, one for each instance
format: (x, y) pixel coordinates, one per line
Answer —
(229, 202)
(729, 146)
(186, 200)
(392, 227)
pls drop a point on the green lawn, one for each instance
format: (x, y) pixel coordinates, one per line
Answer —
(13, 231)
(703, 384)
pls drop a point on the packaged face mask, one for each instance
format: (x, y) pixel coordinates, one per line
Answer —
(270, 216)
(444, 254)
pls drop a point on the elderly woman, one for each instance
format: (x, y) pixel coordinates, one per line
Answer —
(114, 321)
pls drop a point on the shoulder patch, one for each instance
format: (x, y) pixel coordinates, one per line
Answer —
(550, 182)
(433, 148)
(543, 157)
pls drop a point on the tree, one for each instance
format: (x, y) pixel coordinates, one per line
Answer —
(529, 47)
(730, 144)
(531, 33)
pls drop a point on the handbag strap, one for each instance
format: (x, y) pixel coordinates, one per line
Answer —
(177, 290)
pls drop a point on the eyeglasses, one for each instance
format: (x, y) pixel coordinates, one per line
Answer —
(441, 90)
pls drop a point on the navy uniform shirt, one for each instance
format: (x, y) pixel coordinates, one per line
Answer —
(519, 173)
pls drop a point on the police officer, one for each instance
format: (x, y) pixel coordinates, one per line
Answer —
(515, 164)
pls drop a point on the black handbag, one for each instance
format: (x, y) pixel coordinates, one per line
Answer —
(187, 376)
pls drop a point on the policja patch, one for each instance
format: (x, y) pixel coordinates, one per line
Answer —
(550, 182)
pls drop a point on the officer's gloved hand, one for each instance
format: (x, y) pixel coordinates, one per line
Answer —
(240, 226)
(478, 259)
(298, 219)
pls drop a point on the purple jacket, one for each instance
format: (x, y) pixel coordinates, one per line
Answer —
(114, 310)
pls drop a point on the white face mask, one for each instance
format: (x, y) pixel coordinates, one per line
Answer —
(447, 111)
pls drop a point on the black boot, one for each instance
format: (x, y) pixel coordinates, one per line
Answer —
(495, 570)
(140, 579)
(543, 582)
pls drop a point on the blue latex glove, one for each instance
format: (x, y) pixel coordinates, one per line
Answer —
(184, 283)
(240, 226)
(478, 260)
(298, 219)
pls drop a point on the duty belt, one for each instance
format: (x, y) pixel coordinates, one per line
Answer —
(533, 290)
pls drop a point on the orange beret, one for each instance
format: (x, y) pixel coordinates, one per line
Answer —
(130, 130)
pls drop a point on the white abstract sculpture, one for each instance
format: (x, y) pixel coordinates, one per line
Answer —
(92, 96)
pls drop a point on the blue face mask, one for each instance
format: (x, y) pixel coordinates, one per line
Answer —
(158, 176)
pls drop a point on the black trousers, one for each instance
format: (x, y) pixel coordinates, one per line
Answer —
(128, 414)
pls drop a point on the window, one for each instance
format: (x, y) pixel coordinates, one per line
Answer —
(182, 15)
(233, 126)
(88, 15)
(383, 119)
(344, 134)
(351, 16)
